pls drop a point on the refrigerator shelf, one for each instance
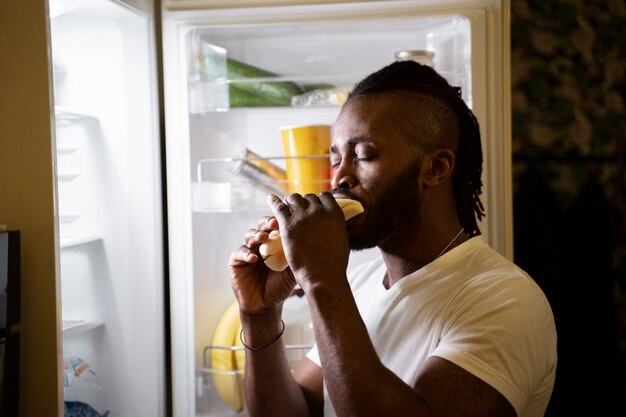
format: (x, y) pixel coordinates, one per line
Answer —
(75, 327)
(69, 241)
(220, 391)
(304, 79)
(67, 176)
(206, 357)
(68, 117)
(66, 149)
(215, 96)
(69, 217)
(225, 185)
(336, 80)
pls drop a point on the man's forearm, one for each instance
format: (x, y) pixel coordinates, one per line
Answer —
(352, 369)
(269, 385)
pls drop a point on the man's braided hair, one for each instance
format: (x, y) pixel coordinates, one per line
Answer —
(409, 76)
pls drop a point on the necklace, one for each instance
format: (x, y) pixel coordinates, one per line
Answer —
(451, 242)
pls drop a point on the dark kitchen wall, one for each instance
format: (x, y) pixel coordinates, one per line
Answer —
(569, 134)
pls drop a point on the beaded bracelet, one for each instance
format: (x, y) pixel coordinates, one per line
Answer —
(254, 349)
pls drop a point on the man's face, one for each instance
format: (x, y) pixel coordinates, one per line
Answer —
(370, 153)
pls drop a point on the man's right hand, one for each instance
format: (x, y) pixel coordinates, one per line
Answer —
(257, 288)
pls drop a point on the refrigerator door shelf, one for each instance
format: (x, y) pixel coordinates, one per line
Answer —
(76, 327)
(71, 241)
(73, 127)
(68, 175)
(67, 117)
(69, 217)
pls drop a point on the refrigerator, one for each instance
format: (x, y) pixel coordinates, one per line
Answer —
(166, 141)
(214, 54)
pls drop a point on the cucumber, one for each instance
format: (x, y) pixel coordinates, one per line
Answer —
(242, 98)
(319, 86)
(277, 92)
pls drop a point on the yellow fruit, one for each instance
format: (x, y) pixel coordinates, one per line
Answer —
(240, 354)
(350, 207)
(223, 361)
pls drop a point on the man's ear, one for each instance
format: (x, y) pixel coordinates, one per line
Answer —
(437, 166)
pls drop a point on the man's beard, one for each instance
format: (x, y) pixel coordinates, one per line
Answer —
(392, 211)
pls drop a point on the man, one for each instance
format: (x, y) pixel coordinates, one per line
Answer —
(441, 325)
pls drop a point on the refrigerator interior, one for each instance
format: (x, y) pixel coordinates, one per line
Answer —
(109, 209)
(332, 55)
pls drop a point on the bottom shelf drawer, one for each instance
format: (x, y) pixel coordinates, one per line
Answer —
(219, 382)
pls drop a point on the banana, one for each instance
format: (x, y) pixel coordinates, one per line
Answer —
(240, 354)
(272, 250)
(349, 207)
(226, 334)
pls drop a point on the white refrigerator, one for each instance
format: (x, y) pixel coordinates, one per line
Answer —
(146, 217)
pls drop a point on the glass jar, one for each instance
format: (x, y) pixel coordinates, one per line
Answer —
(421, 56)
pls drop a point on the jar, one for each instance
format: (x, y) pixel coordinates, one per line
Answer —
(421, 56)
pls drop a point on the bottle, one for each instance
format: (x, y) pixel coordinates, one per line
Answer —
(262, 172)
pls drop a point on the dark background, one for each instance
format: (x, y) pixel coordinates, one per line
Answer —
(569, 134)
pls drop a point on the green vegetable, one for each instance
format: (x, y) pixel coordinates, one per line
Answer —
(262, 93)
(319, 86)
(242, 98)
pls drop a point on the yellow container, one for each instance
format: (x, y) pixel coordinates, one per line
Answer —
(307, 163)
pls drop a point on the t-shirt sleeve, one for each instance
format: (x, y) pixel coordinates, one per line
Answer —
(504, 335)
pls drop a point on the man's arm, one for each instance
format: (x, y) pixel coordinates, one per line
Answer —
(316, 247)
(360, 385)
(309, 376)
(270, 387)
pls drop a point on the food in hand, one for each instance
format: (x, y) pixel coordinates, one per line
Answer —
(350, 207)
(272, 250)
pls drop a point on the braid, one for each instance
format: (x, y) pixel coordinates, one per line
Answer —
(409, 76)
(467, 179)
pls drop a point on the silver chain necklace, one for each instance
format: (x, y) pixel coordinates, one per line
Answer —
(451, 242)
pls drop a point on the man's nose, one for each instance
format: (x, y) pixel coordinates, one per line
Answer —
(342, 178)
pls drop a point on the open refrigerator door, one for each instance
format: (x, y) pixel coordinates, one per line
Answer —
(233, 80)
(108, 187)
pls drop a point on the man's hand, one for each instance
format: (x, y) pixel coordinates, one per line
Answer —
(257, 288)
(314, 238)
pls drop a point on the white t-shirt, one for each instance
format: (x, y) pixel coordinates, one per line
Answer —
(472, 307)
